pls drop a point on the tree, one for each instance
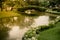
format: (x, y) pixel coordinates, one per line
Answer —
(1, 3)
(4, 4)
(44, 3)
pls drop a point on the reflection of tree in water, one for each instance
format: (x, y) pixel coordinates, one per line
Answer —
(11, 22)
(3, 32)
(22, 21)
(27, 21)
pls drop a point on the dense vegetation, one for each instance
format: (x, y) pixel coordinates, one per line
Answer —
(12, 8)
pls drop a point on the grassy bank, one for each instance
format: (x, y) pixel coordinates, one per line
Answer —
(51, 34)
(8, 14)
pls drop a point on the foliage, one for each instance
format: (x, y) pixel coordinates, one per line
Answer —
(30, 35)
(34, 32)
(10, 3)
(44, 3)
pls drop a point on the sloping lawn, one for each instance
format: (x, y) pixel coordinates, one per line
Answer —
(8, 14)
(50, 34)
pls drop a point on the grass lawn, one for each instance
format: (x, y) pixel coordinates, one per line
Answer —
(50, 34)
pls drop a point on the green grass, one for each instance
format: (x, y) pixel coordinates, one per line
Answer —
(8, 14)
(50, 34)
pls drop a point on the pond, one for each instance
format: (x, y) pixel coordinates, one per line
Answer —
(14, 28)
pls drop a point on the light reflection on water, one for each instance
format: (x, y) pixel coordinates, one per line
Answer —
(17, 33)
(20, 25)
(41, 20)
